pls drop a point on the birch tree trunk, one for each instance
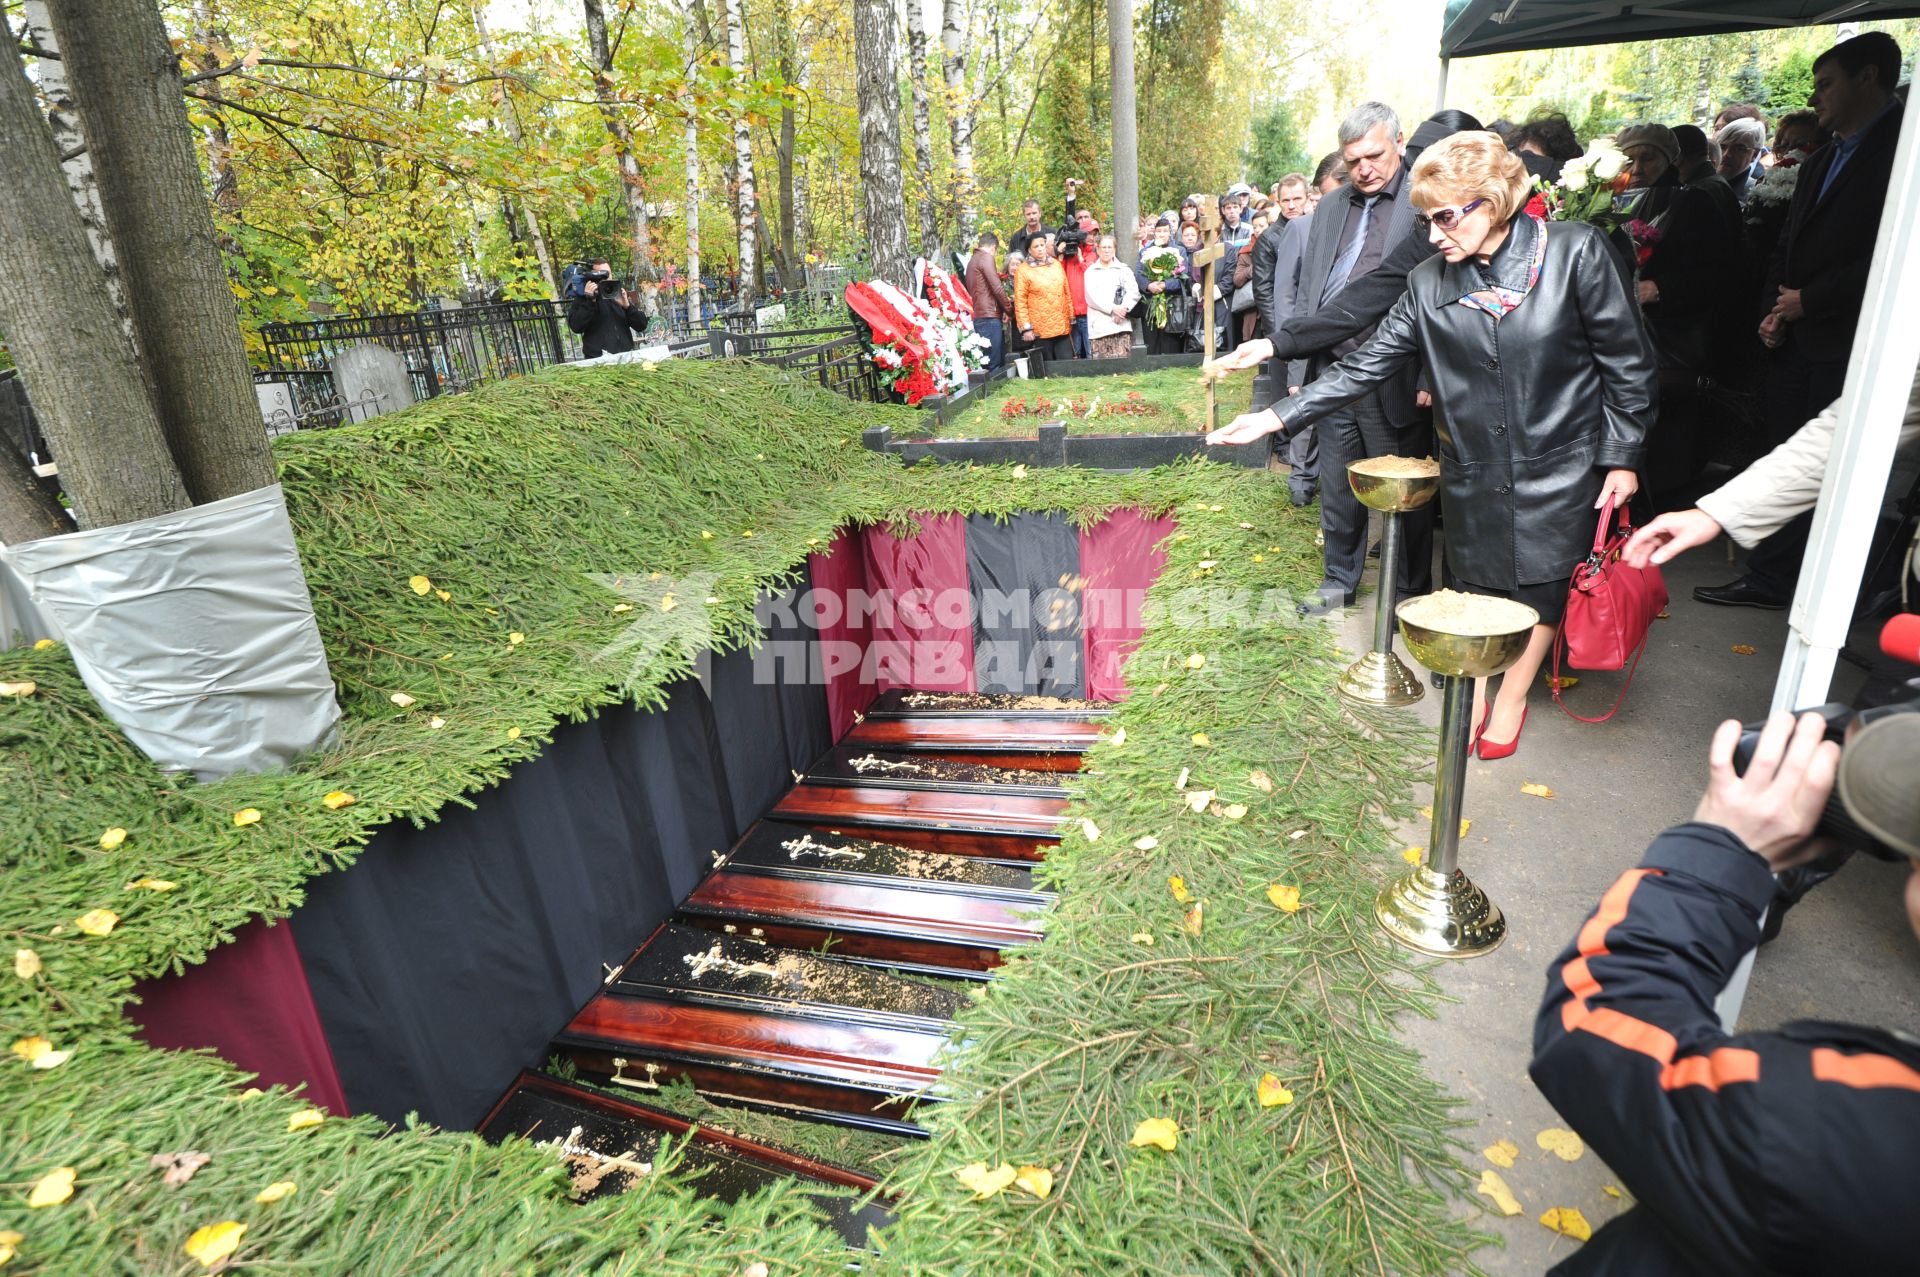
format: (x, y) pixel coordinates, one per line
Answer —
(690, 49)
(71, 141)
(631, 188)
(876, 65)
(922, 124)
(745, 201)
(510, 117)
(74, 354)
(1126, 154)
(126, 82)
(956, 17)
(783, 39)
(802, 194)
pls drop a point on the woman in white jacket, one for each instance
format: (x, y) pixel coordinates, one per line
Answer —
(1112, 292)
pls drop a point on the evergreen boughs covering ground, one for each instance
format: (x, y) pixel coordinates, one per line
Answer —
(1166, 401)
(542, 508)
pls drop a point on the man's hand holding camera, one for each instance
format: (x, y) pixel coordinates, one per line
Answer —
(1774, 806)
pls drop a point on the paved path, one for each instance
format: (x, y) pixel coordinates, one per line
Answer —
(1846, 952)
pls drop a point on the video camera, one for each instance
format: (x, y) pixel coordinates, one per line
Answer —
(1854, 812)
(574, 281)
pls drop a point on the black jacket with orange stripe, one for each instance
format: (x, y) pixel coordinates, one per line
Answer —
(1796, 1151)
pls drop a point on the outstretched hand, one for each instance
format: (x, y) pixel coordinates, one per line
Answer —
(1668, 537)
(1775, 806)
(1247, 355)
(1247, 427)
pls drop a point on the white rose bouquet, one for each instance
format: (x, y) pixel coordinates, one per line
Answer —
(1586, 189)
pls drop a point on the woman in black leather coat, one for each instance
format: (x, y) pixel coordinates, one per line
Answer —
(1543, 382)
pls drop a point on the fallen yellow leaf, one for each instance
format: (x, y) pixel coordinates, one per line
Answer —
(748, 533)
(1196, 662)
(985, 1183)
(1412, 855)
(112, 838)
(668, 603)
(335, 799)
(1271, 1092)
(1610, 1190)
(436, 722)
(1568, 1222)
(305, 1118)
(1019, 472)
(401, 699)
(1091, 830)
(1180, 781)
(1259, 558)
(1564, 1145)
(97, 922)
(711, 600)
(1216, 508)
(1744, 649)
(1201, 738)
(515, 639)
(1159, 1132)
(513, 733)
(421, 585)
(1178, 886)
(9, 1240)
(1199, 798)
(246, 816)
(1564, 683)
(43, 644)
(1537, 790)
(1142, 937)
(618, 608)
(1037, 1180)
(26, 687)
(445, 596)
(251, 1093)
(31, 1049)
(1193, 922)
(26, 963)
(212, 1244)
(1495, 1188)
(1285, 899)
(705, 535)
(1260, 781)
(51, 1189)
(276, 1192)
(1118, 738)
(152, 884)
(1234, 811)
(1146, 842)
(1501, 1153)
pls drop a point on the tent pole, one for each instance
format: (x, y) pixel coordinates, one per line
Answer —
(1440, 94)
(1886, 349)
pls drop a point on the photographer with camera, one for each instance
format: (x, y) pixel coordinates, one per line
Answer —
(602, 313)
(1781, 1152)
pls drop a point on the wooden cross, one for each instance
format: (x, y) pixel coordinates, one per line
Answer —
(1207, 257)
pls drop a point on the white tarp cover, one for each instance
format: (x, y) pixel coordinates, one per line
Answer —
(194, 631)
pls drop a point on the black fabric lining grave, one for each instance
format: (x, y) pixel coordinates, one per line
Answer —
(1017, 570)
(443, 961)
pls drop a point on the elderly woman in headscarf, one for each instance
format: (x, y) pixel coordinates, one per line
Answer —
(1164, 309)
(1542, 382)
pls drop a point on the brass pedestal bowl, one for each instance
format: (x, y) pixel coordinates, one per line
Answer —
(1393, 486)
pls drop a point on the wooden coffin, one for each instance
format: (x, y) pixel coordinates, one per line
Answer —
(773, 1028)
(984, 729)
(607, 1144)
(934, 805)
(870, 902)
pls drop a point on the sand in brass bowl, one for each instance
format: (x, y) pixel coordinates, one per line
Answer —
(1394, 484)
(1466, 635)
(1397, 467)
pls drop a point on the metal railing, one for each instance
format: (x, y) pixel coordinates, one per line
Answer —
(444, 349)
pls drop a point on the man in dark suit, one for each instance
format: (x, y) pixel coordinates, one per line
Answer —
(1352, 233)
(1818, 277)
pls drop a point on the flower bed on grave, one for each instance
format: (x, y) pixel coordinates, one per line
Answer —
(1163, 401)
(516, 503)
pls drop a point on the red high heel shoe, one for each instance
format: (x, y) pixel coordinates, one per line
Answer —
(1490, 750)
(1486, 713)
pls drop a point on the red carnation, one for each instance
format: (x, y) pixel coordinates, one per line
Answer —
(1537, 206)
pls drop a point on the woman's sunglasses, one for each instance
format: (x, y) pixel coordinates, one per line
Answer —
(1447, 218)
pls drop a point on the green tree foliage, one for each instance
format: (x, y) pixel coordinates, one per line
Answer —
(1184, 121)
(1790, 83)
(1278, 147)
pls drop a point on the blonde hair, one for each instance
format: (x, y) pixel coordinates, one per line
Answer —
(1468, 166)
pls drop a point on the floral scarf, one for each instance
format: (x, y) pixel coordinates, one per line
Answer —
(1497, 299)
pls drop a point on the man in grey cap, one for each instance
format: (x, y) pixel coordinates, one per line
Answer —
(1742, 142)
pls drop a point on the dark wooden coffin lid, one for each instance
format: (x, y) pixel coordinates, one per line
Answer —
(906, 703)
(718, 1163)
(859, 768)
(774, 849)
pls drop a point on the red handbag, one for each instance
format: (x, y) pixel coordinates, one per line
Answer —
(1610, 610)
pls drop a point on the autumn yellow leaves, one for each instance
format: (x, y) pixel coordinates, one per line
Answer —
(1568, 1221)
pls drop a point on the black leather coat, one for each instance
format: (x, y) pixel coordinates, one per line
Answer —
(1530, 411)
